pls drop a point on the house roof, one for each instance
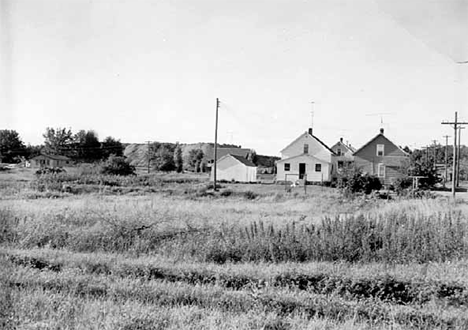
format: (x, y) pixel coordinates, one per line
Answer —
(313, 136)
(241, 159)
(339, 143)
(374, 138)
(301, 155)
(221, 152)
(55, 157)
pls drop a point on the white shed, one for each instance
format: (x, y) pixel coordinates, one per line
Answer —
(235, 168)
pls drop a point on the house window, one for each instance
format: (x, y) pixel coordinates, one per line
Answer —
(287, 167)
(338, 152)
(380, 150)
(318, 167)
(340, 164)
(381, 171)
(306, 148)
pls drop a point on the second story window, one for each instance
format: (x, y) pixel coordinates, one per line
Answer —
(380, 150)
(338, 152)
(306, 148)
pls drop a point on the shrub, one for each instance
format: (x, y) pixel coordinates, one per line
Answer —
(402, 185)
(117, 166)
(360, 183)
(226, 193)
(250, 195)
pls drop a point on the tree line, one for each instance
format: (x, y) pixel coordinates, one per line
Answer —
(80, 146)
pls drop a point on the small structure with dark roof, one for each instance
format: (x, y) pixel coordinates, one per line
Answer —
(235, 168)
(50, 161)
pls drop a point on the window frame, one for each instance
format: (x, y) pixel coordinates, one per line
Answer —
(306, 148)
(287, 167)
(381, 170)
(380, 147)
(318, 167)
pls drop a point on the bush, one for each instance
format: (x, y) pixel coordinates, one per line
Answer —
(250, 195)
(360, 183)
(226, 193)
(50, 170)
(402, 185)
(116, 165)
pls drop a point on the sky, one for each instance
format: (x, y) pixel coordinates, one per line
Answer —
(142, 70)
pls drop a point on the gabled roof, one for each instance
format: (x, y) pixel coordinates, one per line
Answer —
(311, 135)
(374, 138)
(221, 152)
(240, 159)
(307, 155)
(55, 157)
(339, 143)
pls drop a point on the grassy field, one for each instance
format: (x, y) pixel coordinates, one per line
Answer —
(80, 251)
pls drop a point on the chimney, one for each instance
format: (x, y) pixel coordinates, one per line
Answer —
(341, 140)
(310, 130)
(381, 131)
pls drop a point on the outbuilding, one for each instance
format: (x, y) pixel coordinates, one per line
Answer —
(50, 161)
(235, 168)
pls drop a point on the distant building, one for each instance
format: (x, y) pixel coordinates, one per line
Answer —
(50, 161)
(344, 155)
(306, 158)
(235, 168)
(383, 158)
(221, 152)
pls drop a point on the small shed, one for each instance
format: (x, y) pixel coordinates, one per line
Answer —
(235, 168)
(50, 161)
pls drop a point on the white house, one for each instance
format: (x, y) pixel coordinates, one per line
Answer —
(306, 158)
(235, 168)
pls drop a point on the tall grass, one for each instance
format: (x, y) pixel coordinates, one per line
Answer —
(391, 237)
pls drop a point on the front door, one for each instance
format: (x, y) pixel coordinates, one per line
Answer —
(302, 170)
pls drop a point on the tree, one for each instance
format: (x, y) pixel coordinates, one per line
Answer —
(117, 165)
(111, 146)
(252, 156)
(422, 164)
(87, 146)
(161, 156)
(58, 141)
(11, 146)
(195, 159)
(178, 161)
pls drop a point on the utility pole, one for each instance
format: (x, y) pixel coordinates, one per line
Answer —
(455, 127)
(435, 153)
(148, 155)
(215, 146)
(459, 154)
(446, 158)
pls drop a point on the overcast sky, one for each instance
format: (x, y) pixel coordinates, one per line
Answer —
(142, 70)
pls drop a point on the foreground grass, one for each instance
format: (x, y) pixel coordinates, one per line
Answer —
(234, 230)
(252, 258)
(284, 302)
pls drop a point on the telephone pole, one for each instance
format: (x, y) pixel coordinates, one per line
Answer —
(446, 158)
(459, 154)
(435, 153)
(215, 146)
(455, 124)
